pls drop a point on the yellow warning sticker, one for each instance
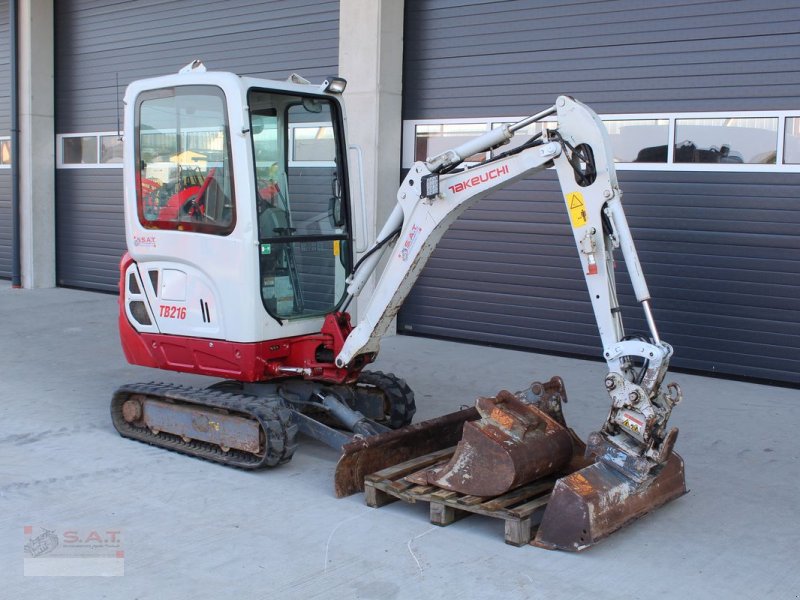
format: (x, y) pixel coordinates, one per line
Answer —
(577, 209)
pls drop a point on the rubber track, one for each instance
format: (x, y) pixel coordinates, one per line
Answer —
(401, 398)
(272, 415)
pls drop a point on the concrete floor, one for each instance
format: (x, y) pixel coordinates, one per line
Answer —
(191, 529)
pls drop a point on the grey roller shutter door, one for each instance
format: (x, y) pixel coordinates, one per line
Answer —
(97, 40)
(5, 224)
(720, 250)
(5, 130)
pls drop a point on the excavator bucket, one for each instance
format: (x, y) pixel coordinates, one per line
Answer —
(512, 444)
(505, 442)
(595, 501)
(365, 455)
(510, 440)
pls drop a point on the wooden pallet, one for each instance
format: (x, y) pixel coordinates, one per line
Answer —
(521, 509)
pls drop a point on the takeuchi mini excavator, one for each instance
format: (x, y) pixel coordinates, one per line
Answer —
(240, 216)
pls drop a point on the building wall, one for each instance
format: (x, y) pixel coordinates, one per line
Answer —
(719, 248)
(99, 41)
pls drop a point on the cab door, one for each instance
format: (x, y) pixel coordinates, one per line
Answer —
(303, 215)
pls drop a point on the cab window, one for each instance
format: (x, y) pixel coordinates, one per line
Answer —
(184, 177)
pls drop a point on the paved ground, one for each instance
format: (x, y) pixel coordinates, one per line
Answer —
(196, 530)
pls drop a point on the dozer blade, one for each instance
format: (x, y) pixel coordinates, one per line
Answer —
(595, 501)
(512, 444)
(363, 456)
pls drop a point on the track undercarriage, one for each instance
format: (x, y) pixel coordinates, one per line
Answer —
(254, 426)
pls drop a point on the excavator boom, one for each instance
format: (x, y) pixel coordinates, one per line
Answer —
(510, 442)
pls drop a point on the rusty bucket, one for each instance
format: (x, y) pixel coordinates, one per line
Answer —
(513, 443)
(365, 455)
(592, 503)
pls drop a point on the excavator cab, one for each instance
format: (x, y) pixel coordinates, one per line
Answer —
(238, 222)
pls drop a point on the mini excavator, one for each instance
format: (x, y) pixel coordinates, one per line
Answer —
(242, 237)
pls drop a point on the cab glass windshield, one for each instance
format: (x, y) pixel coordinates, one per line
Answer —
(184, 179)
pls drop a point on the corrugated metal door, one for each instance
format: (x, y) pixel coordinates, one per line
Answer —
(97, 40)
(720, 250)
(5, 132)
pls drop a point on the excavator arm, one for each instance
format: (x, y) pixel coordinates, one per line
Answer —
(433, 195)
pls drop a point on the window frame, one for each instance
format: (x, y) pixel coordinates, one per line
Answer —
(7, 138)
(409, 129)
(347, 242)
(60, 164)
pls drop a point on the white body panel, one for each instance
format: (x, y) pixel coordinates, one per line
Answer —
(183, 287)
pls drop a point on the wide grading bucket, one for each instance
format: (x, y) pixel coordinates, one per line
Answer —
(595, 501)
(365, 455)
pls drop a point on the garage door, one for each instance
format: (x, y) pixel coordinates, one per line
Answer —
(5, 134)
(717, 240)
(99, 42)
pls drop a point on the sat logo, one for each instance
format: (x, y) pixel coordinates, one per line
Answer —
(410, 242)
(144, 241)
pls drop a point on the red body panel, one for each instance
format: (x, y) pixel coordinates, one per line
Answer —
(242, 361)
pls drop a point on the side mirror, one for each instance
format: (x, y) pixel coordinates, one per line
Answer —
(336, 211)
(312, 105)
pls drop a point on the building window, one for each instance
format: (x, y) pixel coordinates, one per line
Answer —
(727, 141)
(80, 150)
(639, 140)
(5, 152)
(432, 140)
(791, 144)
(110, 149)
(312, 144)
(755, 141)
(89, 150)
